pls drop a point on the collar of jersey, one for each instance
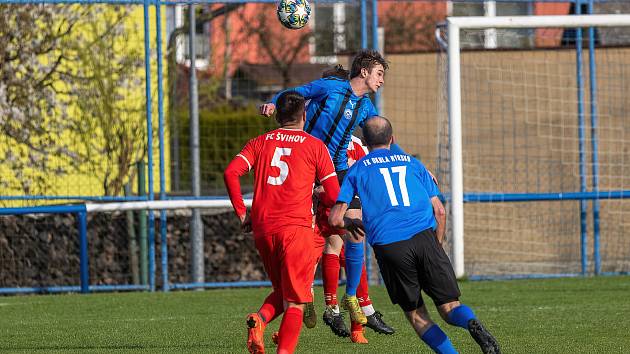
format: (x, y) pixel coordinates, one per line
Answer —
(378, 151)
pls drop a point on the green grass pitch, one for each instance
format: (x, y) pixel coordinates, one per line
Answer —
(574, 315)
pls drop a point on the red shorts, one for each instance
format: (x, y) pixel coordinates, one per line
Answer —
(319, 244)
(321, 220)
(283, 255)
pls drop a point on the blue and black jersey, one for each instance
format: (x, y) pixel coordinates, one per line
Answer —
(333, 114)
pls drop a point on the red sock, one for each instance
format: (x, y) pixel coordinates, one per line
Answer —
(362, 290)
(289, 330)
(272, 307)
(330, 276)
(355, 326)
(342, 257)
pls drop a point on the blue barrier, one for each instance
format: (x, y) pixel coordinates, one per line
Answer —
(83, 245)
(71, 289)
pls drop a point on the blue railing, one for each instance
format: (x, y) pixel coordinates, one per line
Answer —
(84, 287)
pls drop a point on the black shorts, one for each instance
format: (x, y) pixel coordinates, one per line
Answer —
(355, 203)
(419, 263)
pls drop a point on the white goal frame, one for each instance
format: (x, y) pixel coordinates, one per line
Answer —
(455, 24)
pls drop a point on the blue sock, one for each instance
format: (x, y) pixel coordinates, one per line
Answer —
(460, 316)
(438, 340)
(354, 266)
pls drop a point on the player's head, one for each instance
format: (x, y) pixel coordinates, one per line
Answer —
(338, 71)
(290, 109)
(377, 132)
(370, 66)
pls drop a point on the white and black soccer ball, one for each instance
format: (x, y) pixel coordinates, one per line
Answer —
(293, 14)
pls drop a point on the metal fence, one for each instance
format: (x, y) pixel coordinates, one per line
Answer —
(120, 130)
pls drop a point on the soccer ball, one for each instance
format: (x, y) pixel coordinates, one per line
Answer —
(293, 14)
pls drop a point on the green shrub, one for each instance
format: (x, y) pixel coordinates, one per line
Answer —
(222, 134)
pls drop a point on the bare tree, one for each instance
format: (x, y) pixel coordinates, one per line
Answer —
(283, 51)
(410, 28)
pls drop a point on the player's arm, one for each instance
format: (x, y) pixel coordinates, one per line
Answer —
(331, 190)
(440, 217)
(337, 218)
(238, 167)
(311, 90)
(426, 178)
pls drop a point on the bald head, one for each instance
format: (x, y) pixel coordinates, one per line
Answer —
(377, 131)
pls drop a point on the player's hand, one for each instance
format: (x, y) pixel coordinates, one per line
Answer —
(267, 109)
(440, 240)
(316, 192)
(246, 223)
(355, 228)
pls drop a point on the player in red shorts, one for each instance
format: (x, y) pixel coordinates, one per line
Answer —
(286, 162)
(331, 264)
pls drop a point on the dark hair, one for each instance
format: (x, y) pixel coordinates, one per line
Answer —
(338, 71)
(289, 107)
(366, 59)
(377, 131)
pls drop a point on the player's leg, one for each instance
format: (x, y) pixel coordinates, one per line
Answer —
(330, 275)
(290, 328)
(273, 305)
(296, 279)
(354, 252)
(374, 318)
(357, 331)
(460, 315)
(331, 268)
(429, 332)
(399, 268)
(440, 284)
(310, 317)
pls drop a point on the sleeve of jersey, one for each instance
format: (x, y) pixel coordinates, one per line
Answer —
(427, 182)
(356, 150)
(311, 90)
(396, 149)
(331, 191)
(348, 187)
(239, 166)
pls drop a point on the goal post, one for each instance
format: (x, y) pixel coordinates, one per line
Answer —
(455, 144)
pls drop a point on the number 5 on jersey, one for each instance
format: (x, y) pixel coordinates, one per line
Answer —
(402, 172)
(284, 168)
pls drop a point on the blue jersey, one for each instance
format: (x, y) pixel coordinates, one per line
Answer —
(333, 114)
(396, 149)
(395, 192)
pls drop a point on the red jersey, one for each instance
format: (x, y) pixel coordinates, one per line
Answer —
(356, 149)
(286, 164)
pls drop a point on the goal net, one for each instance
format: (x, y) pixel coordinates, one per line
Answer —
(534, 152)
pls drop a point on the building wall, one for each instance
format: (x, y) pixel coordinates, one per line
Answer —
(88, 180)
